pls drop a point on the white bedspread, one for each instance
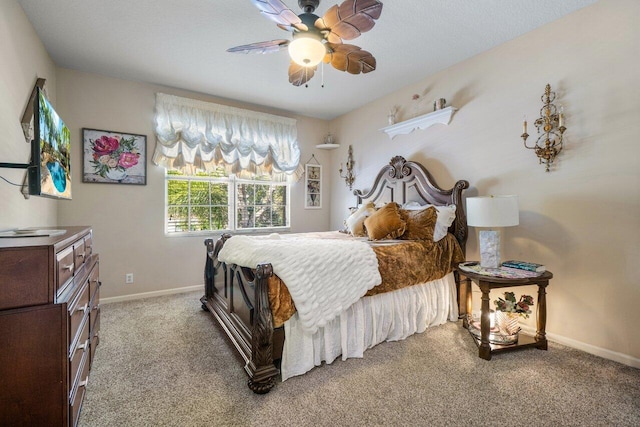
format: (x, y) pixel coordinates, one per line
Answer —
(390, 316)
(324, 276)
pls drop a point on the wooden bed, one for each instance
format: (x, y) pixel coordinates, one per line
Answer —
(237, 297)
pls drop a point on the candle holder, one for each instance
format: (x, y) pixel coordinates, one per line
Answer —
(349, 177)
(551, 129)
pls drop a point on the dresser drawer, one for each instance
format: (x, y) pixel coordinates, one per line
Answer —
(94, 281)
(77, 393)
(94, 316)
(79, 254)
(79, 353)
(78, 310)
(24, 277)
(64, 267)
(95, 340)
(88, 245)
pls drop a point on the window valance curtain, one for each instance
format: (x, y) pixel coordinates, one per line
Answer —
(194, 134)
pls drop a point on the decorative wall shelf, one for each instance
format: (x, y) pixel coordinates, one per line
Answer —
(327, 146)
(421, 122)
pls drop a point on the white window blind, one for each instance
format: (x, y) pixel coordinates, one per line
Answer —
(196, 135)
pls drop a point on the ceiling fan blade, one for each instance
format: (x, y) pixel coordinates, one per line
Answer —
(279, 13)
(288, 28)
(299, 75)
(350, 19)
(350, 58)
(292, 28)
(260, 47)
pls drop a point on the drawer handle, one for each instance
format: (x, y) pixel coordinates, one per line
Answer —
(83, 383)
(83, 308)
(82, 346)
(68, 267)
(81, 255)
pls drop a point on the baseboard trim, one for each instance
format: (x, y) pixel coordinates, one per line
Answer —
(625, 359)
(151, 294)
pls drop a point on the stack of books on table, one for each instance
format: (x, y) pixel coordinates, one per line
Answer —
(523, 265)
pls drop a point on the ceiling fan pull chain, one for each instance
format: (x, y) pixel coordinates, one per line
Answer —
(306, 76)
(322, 72)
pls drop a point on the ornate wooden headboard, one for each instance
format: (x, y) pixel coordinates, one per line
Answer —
(402, 181)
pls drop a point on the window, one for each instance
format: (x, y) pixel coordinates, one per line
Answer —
(214, 201)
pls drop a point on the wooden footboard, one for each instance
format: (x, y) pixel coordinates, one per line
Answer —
(238, 298)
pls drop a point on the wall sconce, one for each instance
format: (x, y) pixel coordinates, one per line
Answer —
(550, 127)
(349, 178)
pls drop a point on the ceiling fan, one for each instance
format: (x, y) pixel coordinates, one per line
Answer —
(316, 39)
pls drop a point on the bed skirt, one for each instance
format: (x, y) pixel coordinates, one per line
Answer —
(391, 316)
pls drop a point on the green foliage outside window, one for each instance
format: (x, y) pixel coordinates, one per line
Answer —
(261, 205)
(204, 202)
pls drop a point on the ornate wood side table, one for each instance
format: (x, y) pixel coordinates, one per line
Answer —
(486, 283)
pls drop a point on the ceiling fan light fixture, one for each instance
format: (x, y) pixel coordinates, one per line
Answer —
(307, 49)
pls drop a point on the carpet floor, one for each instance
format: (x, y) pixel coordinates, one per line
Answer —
(165, 362)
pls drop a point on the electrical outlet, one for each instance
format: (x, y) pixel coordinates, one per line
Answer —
(128, 278)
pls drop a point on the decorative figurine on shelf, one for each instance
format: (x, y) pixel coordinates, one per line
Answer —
(329, 139)
(391, 117)
(439, 104)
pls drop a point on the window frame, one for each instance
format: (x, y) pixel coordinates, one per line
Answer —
(232, 182)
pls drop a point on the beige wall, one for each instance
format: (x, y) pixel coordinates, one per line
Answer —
(22, 59)
(582, 219)
(128, 220)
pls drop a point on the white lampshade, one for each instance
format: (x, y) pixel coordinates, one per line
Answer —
(307, 50)
(492, 211)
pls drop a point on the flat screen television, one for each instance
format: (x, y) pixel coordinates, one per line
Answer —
(50, 169)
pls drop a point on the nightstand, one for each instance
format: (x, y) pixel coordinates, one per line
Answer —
(486, 283)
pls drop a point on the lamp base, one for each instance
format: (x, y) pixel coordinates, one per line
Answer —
(490, 249)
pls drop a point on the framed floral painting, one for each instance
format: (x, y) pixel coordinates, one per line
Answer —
(313, 180)
(114, 157)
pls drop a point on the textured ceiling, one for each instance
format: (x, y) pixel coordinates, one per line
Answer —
(183, 44)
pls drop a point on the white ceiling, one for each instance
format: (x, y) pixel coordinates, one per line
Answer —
(183, 44)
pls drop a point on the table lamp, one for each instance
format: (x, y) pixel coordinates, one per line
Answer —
(491, 211)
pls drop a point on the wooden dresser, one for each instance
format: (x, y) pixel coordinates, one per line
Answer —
(49, 323)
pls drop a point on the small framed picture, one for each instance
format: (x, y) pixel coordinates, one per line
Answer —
(114, 157)
(313, 186)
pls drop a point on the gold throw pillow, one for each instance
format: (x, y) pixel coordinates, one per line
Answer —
(420, 224)
(385, 223)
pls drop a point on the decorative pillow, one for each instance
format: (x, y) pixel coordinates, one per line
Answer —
(355, 222)
(446, 216)
(385, 223)
(420, 223)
